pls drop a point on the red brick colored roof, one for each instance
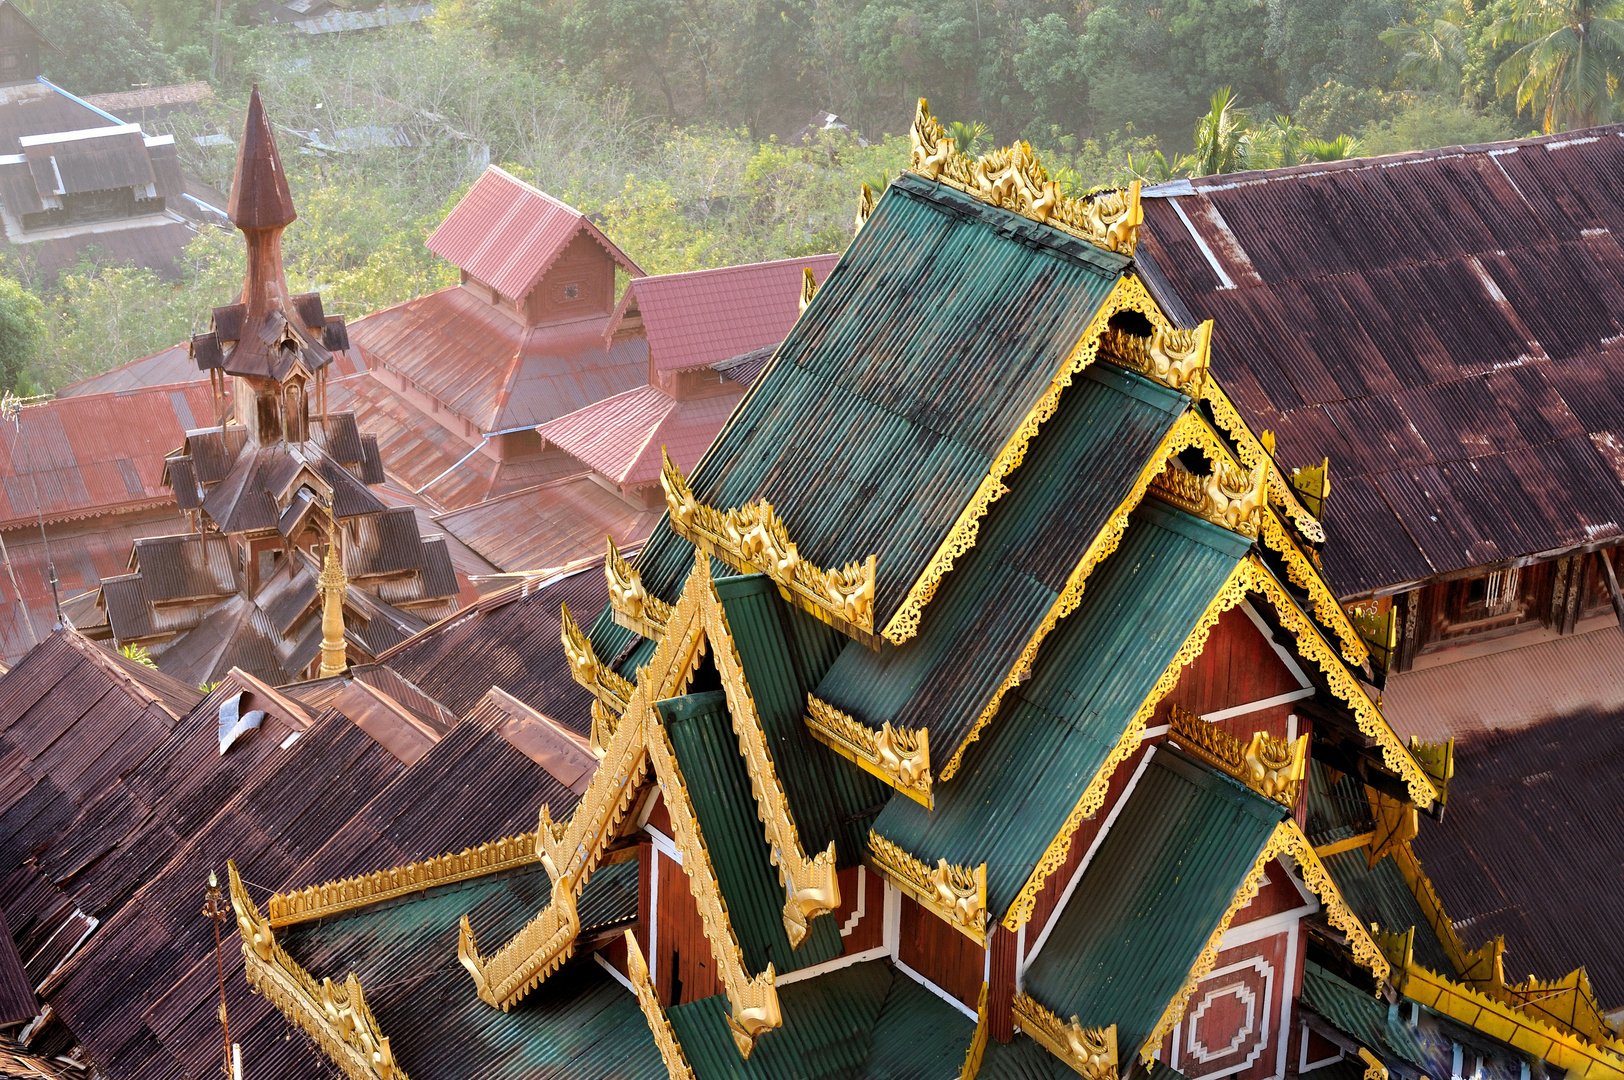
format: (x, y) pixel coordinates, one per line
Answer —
(621, 437)
(703, 316)
(550, 525)
(506, 233)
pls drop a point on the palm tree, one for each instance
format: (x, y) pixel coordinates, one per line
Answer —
(1279, 142)
(1434, 47)
(1223, 141)
(969, 137)
(1340, 148)
(1571, 59)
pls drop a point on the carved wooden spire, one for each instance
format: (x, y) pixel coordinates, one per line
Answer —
(261, 206)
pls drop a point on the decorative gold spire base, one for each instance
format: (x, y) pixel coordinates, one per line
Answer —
(332, 585)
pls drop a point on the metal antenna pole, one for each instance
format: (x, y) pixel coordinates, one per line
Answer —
(213, 909)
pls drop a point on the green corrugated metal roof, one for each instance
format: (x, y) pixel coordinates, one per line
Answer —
(864, 1022)
(929, 342)
(1024, 1059)
(1018, 783)
(1379, 894)
(1082, 464)
(1360, 1015)
(719, 786)
(1336, 811)
(1151, 897)
(577, 1024)
(785, 651)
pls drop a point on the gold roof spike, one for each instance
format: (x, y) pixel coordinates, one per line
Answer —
(335, 1015)
(606, 684)
(809, 287)
(332, 584)
(1091, 1052)
(1014, 179)
(956, 894)
(632, 605)
(899, 756)
(865, 207)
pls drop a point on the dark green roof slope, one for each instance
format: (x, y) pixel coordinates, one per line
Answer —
(864, 1022)
(578, 1024)
(785, 651)
(1082, 464)
(1359, 1014)
(1152, 896)
(1018, 783)
(1336, 811)
(1024, 1059)
(1379, 894)
(931, 339)
(719, 786)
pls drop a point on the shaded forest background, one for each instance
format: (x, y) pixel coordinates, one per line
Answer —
(693, 130)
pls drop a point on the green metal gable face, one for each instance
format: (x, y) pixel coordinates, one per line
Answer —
(784, 652)
(579, 1023)
(930, 341)
(1360, 1014)
(718, 784)
(1078, 470)
(1153, 894)
(1021, 779)
(864, 1022)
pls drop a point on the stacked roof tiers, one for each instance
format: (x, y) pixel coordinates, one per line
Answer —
(914, 612)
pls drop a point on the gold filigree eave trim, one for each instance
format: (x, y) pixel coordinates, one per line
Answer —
(659, 1025)
(900, 757)
(1128, 294)
(955, 894)
(1366, 952)
(335, 1015)
(1306, 576)
(1090, 1052)
(1274, 768)
(1251, 451)
(347, 894)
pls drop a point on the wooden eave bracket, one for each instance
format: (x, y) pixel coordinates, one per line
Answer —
(335, 1015)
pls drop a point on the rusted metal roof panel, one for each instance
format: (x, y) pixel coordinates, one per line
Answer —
(548, 526)
(35, 109)
(621, 437)
(1447, 327)
(104, 158)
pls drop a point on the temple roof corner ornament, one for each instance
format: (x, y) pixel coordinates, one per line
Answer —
(1015, 180)
(631, 604)
(899, 756)
(955, 894)
(1090, 1051)
(865, 207)
(1177, 358)
(1274, 768)
(809, 287)
(606, 685)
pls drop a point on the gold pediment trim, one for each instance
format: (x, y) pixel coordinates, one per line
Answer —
(1274, 768)
(1306, 576)
(1128, 294)
(1090, 1051)
(1251, 451)
(598, 678)
(335, 1015)
(630, 603)
(955, 894)
(899, 756)
(752, 539)
(978, 1041)
(659, 1025)
(348, 894)
(1174, 357)
(1366, 953)
(1016, 180)
(1227, 497)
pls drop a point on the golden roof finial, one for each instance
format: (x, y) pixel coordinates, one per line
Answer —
(332, 584)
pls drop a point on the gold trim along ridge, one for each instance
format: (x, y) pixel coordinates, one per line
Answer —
(1176, 358)
(1227, 497)
(1303, 574)
(1366, 953)
(957, 894)
(676, 1062)
(606, 684)
(1251, 451)
(1271, 767)
(347, 894)
(630, 602)
(1129, 294)
(1015, 180)
(752, 539)
(978, 1040)
(335, 1015)
(899, 756)
(1091, 1052)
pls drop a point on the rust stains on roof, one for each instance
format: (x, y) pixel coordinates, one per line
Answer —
(621, 437)
(1447, 327)
(550, 525)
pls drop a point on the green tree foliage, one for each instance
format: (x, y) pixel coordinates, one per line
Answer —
(101, 47)
(1571, 58)
(22, 328)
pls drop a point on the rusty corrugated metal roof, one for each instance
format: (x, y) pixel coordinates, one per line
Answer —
(1446, 326)
(549, 525)
(621, 437)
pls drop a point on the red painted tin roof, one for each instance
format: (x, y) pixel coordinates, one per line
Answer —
(621, 437)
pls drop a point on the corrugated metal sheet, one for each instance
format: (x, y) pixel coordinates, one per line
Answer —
(1379, 894)
(1151, 897)
(1076, 471)
(784, 651)
(621, 437)
(183, 567)
(866, 1020)
(33, 108)
(704, 316)
(718, 783)
(506, 233)
(550, 525)
(1529, 841)
(1023, 776)
(385, 543)
(1445, 326)
(1359, 1014)
(1335, 811)
(930, 341)
(158, 247)
(746, 368)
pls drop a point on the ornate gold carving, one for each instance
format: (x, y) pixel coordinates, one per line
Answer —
(632, 605)
(604, 682)
(1129, 294)
(978, 1041)
(1313, 485)
(1015, 180)
(1231, 593)
(335, 1015)
(958, 894)
(865, 207)
(1396, 823)
(1187, 431)
(1303, 574)
(1271, 767)
(1175, 357)
(347, 894)
(604, 722)
(1366, 953)
(1312, 646)
(332, 584)
(1227, 497)
(752, 539)
(754, 1001)
(809, 287)
(1092, 1052)
(899, 756)
(1438, 759)
(1374, 1069)
(1251, 451)
(1568, 1004)
(812, 886)
(676, 1062)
